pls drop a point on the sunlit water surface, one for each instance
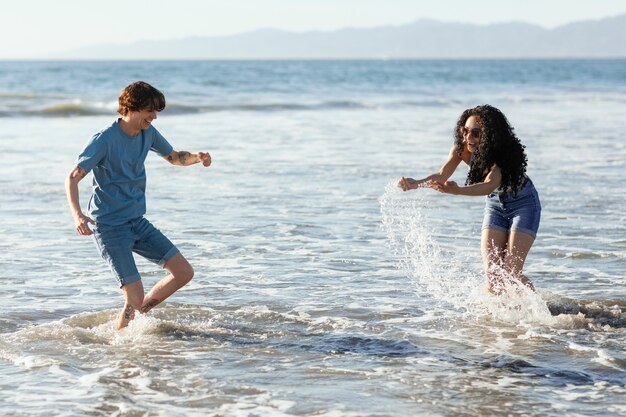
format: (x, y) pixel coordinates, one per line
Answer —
(320, 288)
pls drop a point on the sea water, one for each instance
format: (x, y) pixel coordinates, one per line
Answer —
(320, 288)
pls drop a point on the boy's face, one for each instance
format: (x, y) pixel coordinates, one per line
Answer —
(143, 118)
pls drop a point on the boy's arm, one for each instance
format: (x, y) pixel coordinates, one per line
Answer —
(184, 158)
(81, 222)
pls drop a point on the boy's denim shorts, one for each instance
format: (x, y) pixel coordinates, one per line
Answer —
(117, 244)
(518, 213)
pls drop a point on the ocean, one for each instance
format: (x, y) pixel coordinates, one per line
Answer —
(321, 289)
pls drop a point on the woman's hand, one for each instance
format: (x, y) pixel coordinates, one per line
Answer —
(448, 187)
(408, 184)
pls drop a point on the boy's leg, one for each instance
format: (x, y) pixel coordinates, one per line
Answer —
(180, 273)
(115, 245)
(133, 299)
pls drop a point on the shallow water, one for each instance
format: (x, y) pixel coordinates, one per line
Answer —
(320, 288)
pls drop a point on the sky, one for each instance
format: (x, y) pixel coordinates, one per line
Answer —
(36, 28)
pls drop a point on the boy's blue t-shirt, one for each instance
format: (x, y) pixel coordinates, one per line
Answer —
(119, 174)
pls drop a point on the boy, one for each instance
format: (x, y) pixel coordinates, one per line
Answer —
(116, 155)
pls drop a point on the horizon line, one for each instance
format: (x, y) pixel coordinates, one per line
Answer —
(512, 58)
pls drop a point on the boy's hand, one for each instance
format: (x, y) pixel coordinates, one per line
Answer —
(81, 223)
(205, 158)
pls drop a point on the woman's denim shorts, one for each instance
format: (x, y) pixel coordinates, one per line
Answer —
(519, 213)
(117, 244)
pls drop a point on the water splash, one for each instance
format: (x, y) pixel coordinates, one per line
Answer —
(444, 275)
(434, 271)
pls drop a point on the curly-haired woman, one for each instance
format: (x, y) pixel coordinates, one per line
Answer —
(485, 141)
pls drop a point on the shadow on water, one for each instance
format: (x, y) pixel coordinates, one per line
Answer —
(319, 343)
(555, 377)
(333, 344)
(362, 345)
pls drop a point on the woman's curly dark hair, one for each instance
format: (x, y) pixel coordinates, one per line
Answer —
(140, 96)
(498, 145)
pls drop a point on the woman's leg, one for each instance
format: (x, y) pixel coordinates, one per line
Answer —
(504, 255)
(518, 246)
(493, 247)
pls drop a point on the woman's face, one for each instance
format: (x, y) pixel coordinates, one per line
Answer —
(471, 134)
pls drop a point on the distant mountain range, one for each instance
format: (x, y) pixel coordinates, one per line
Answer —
(424, 38)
